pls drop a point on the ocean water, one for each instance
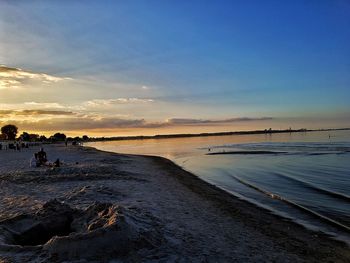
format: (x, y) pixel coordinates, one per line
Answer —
(304, 177)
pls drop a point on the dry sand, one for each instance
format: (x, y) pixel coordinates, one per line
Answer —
(128, 208)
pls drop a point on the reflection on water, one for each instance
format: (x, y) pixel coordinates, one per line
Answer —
(304, 176)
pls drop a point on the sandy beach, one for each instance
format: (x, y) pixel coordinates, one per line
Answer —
(107, 207)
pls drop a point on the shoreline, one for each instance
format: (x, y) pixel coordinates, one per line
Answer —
(229, 200)
(193, 218)
(233, 204)
(323, 219)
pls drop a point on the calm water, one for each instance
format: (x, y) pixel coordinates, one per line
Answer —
(304, 177)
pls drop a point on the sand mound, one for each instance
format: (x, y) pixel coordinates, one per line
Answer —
(62, 233)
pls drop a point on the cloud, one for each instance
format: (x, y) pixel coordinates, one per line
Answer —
(44, 112)
(46, 105)
(6, 83)
(16, 77)
(5, 113)
(184, 121)
(110, 102)
(52, 106)
(70, 121)
(77, 123)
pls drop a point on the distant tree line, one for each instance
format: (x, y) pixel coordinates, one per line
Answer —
(10, 132)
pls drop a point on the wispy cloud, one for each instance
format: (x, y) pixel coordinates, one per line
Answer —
(16, 77)
(110, 102)
(6, 113)
(46, 105)
(41, 106)
(184, 121)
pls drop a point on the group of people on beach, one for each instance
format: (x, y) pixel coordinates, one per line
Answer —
(40, 159)
(17, 145)
(37, 160)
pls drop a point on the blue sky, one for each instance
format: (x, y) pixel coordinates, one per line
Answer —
(193, 59)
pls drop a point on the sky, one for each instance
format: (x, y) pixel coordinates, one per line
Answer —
(111, 68)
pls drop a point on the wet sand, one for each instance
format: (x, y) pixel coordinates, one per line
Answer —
(170, 214)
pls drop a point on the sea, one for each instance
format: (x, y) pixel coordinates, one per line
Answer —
(300, 176)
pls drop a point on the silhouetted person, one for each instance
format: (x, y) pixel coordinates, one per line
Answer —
(57, 163)
(42, 157)
(34, 161)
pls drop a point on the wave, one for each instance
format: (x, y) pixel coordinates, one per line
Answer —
(311, 148)
(314, 187)
(246, 152)
(292, 203)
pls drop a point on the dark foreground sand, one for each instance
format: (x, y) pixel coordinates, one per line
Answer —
(126, 208)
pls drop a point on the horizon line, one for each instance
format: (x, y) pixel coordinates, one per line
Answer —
(207, 134)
